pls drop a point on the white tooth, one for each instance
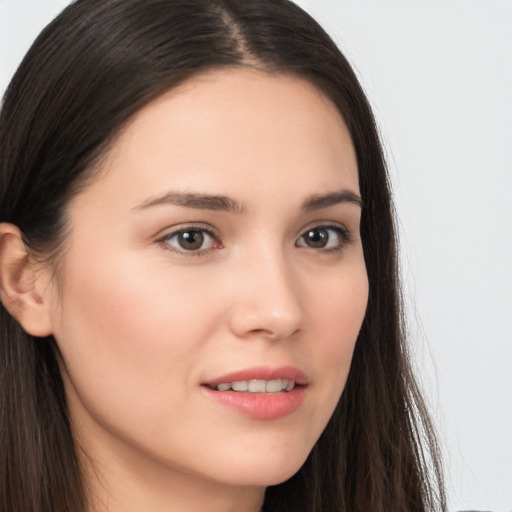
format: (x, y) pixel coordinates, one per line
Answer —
(257, 386)
(290, 385)
(284, 383)
(273, 386)
(241, 385)
(225, 386)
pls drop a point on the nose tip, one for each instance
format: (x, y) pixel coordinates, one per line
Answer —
(259, 320)
(270, 307)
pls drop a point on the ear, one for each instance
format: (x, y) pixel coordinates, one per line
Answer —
(23, 289)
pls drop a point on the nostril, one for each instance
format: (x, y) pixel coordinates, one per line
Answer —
(274, 335)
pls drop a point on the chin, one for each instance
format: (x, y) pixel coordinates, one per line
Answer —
(265, 478)
(276, 477)
(264, 470)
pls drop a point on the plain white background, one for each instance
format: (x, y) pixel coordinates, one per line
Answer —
(439, 76)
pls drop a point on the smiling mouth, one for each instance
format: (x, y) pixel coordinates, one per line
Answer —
(261, 393)
(256, 386)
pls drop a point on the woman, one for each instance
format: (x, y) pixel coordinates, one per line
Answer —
(198, 272)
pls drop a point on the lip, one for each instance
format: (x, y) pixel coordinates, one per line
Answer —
(260, 406)
(263, 373)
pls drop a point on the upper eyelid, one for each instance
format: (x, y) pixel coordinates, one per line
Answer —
(344, 232)
(200, 226)
(180, 228)
(326, 224)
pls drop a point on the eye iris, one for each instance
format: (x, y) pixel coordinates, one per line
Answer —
(191, 240)
(316, 238)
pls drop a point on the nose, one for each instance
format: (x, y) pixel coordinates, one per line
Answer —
(269, 299)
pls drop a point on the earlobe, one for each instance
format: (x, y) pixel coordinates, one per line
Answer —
(19, 288)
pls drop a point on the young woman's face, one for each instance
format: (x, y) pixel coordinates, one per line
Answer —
(219, 246)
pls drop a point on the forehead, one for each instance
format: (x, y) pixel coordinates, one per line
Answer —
(234, 132)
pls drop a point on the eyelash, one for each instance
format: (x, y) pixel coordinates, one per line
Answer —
(344, 234)
(164, 240)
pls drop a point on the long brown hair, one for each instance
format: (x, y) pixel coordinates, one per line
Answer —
(89, 71)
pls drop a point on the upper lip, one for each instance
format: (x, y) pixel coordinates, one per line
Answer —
(263, 373)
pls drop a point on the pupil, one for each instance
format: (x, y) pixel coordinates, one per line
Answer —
(317, 238)
(191, 240)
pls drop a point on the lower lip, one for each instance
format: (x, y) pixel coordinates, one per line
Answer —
(259, 406)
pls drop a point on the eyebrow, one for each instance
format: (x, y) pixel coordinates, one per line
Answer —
(318, 202)
(198, 201)
(220, 203)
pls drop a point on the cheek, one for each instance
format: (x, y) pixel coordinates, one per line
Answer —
(134, 306)
(128, 329)
(337, 311)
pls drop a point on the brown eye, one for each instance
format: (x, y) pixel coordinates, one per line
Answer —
(324, 237)
(316, 238)
(190, 240)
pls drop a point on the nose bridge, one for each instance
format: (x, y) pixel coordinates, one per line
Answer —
(270, 301)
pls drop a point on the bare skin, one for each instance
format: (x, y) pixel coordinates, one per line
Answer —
(164, 291)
